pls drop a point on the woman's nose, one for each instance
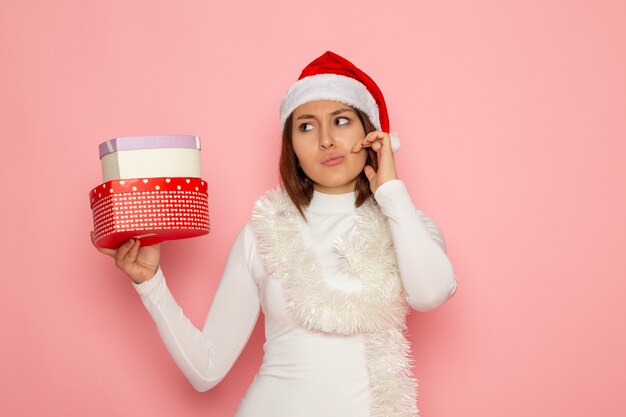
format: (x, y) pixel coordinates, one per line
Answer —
(326, 139)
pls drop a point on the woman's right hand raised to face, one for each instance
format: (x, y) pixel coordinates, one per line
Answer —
(140, 263)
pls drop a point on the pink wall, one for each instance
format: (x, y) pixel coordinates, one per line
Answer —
(514, 140)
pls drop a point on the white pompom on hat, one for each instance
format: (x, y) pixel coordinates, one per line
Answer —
(332, 77)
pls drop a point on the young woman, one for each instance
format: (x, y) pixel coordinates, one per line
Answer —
(333, 258)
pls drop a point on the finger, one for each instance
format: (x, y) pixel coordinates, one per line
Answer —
(379, 134)
(378, 137)
(110, 252)
(383, 146)
(386, 142)
(366, 142)
(134, 250)
(372, 136)
(122, 251)
(357, 147)
(369, 173)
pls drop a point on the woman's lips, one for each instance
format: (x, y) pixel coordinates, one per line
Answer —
(332, 160)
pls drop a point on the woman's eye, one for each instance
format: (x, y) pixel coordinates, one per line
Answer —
(339, 121)
(305, 127)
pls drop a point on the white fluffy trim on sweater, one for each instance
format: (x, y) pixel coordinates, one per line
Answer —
(378, 310)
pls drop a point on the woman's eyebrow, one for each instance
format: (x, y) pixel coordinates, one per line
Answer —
(335, 113)
(339, 111)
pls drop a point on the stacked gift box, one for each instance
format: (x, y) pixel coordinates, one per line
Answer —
(152, 190)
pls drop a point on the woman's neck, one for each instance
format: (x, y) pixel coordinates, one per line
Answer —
(325, 203)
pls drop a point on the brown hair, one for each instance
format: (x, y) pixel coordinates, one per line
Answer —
(299, 187)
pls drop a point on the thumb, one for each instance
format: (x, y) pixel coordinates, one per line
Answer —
(369, 173)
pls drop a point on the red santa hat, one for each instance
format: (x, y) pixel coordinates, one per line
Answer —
(332, 77)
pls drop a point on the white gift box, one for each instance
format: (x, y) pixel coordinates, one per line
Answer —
(150, 157)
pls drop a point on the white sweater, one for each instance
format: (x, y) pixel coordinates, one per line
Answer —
(304, 373)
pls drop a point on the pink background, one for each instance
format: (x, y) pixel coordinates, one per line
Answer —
(512, 116)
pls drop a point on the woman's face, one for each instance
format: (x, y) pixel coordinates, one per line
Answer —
(323, 135)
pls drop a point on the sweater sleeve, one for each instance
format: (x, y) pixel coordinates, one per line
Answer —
(205, 356)
(426, 272)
